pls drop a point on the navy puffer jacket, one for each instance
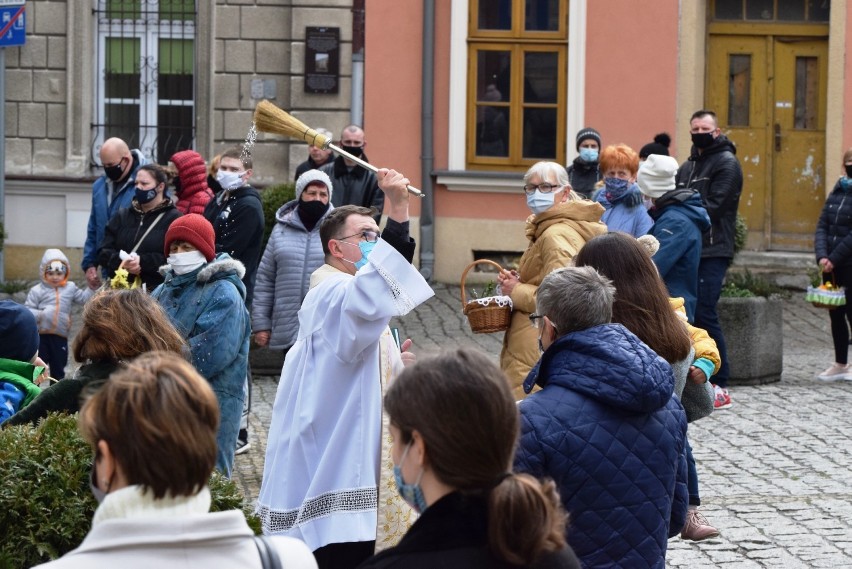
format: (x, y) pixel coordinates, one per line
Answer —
(606, 428)
(833, 239)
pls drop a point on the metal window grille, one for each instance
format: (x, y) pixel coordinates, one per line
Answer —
(145, 77)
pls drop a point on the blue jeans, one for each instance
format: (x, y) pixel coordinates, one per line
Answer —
(711, 274)
(691, 476)
(230, 409)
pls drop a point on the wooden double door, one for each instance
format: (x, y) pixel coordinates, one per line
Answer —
(769, 93)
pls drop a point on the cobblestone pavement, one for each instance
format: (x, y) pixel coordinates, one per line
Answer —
(774, 468)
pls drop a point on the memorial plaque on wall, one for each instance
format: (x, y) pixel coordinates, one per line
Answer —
(322, 60)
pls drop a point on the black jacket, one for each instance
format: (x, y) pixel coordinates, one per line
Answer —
(354, 187)
(64, 396)
(125, 229)
(453, 533)
(833, 239)
(583, 176)
(237, 218)
(715, 174)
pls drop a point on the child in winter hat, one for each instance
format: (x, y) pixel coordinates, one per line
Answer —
(18, 358)
(657, 175)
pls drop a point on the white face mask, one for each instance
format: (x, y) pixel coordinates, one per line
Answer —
(229, 180)
(183, 263)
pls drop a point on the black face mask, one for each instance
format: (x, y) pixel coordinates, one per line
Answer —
(312, 211)
(702, 140)
(356, 151)
(115, 172)
(176, 184)
(848, 170)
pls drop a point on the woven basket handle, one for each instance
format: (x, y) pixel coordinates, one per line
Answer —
(469, 267)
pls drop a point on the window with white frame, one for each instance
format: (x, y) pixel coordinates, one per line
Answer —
(145, 80)
(516, 100)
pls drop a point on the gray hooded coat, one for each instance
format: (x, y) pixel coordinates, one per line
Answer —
(52, 305)
(284, 275)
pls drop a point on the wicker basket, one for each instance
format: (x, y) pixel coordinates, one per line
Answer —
(486, 318)
(827, 298)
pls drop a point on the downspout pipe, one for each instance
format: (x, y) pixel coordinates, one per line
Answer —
(427, 136)
(356, 110)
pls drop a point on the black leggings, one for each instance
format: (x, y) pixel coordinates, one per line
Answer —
(841, 317)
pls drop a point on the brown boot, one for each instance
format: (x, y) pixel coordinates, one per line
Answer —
(697, 528)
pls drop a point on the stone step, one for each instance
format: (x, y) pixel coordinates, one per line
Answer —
(787, 270)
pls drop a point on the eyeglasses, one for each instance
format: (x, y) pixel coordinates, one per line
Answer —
(543, 188)
(534, 318)
(368, 236)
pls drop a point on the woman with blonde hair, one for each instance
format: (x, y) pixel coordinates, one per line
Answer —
(118, 325)
(152, 428)
(561, 223)
(455, 426)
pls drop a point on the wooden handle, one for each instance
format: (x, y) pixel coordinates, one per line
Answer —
(468, 268)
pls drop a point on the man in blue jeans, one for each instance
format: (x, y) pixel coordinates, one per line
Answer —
(713, 171)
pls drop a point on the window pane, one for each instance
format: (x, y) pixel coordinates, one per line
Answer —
(123, 9)
(174, 130)
(739, 89)
(121, 76)
(495, 15)
(540, 72)
(540, 133)
(807, 92)
(760, 9)
(493, 76)
(791, 10)
(176, 65)
(819, 10)
(123, 121)
(729, 10)
(541, 15)
(177, 10)
(492, 130)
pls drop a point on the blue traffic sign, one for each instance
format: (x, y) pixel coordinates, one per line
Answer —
(13, 26)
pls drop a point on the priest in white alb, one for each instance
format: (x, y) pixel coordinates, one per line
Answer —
(328, 477)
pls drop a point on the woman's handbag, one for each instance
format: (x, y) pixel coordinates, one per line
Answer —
(827, 295)
(486, 315)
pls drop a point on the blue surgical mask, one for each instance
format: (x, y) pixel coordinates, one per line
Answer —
(588, 155)
(411, 493)
(539, 202)
(366, 247)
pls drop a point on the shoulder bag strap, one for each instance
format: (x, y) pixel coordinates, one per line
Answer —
(147, 231)
(268, 555)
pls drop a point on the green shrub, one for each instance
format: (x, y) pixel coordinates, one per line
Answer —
(273, 197)
(745, 284)
(13, 286)
(46, 506)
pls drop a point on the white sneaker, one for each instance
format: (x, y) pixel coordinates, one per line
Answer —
(835, 372)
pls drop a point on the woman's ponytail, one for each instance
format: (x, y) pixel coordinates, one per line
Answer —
(525, 519)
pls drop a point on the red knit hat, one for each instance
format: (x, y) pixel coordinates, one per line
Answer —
(196, 230)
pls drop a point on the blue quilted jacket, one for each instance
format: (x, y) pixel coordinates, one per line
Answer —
(606, 428)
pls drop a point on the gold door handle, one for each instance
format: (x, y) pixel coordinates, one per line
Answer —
(777, 137)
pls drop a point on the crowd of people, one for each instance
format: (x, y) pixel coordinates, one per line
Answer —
(571, 451)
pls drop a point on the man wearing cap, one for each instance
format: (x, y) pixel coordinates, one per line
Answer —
(679, 221)
(20, 365)
(293, 252)
(204, 297)
(584, 172)
(317, 156)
